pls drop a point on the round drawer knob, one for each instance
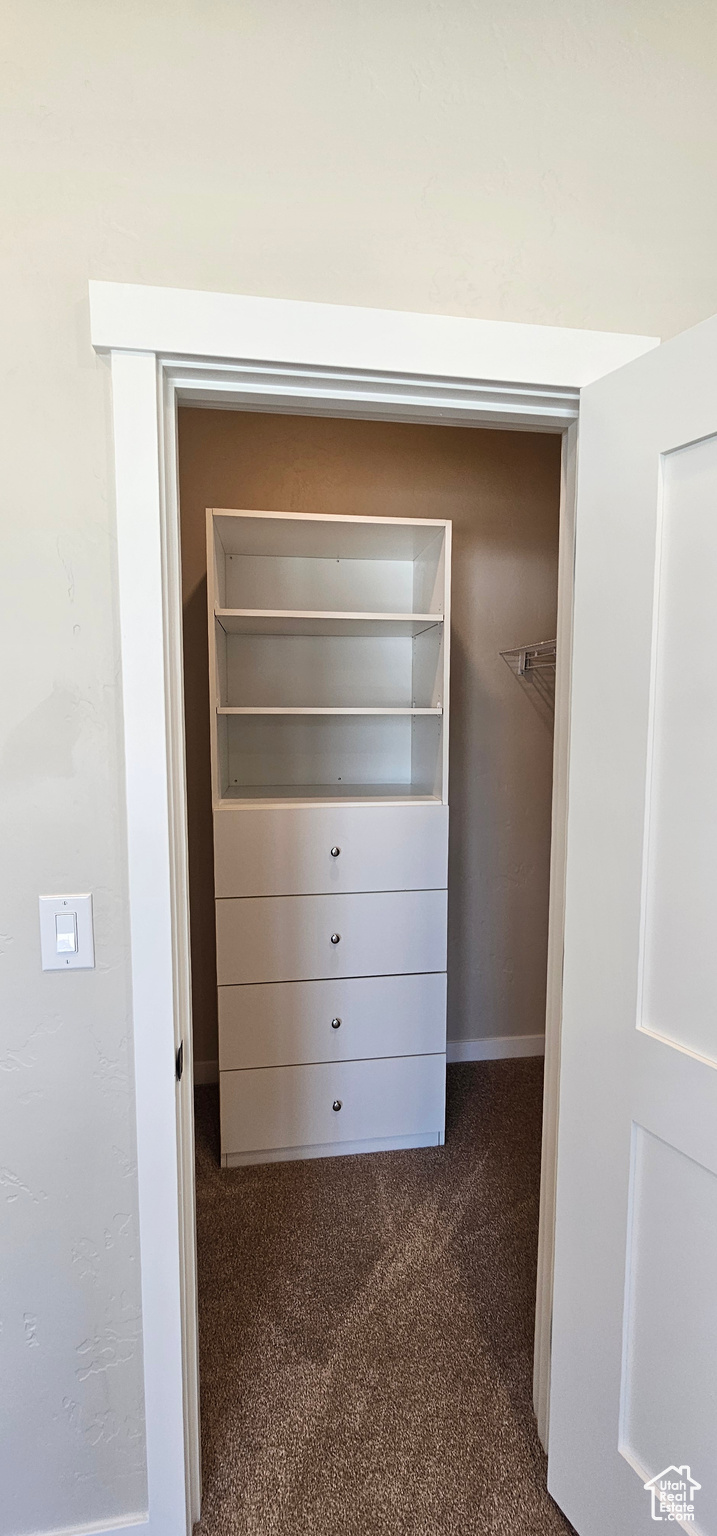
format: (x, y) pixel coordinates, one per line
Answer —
(335, 852)
(335, 1023)
(336, 1104)
(336, 938)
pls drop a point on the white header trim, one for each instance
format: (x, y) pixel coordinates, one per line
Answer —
(130, 317)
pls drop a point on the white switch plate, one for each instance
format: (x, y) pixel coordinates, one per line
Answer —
(52, 907)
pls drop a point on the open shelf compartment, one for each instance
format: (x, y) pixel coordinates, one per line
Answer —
(327, 670)
(324, 757)
(288, 561)
(328, 651)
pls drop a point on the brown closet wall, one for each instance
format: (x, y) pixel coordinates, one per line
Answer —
(502, 490)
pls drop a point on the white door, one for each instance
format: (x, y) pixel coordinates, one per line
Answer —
(634, 1363)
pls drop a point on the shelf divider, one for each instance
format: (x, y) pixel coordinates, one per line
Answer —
(378, 794)
(289, 621)
(320, 709)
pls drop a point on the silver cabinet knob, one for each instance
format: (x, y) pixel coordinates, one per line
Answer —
(336, 938)
(335, 1023)
(336, 1104)
(335, 852)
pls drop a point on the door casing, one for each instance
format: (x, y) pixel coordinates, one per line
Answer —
(167, 347)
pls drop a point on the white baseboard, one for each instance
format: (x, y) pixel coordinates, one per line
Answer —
(205, 1072)
(496, 1048)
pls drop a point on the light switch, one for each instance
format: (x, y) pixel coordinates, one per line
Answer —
(66, 933)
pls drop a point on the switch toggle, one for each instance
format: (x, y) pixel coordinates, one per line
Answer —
(67, 939)
(66, 933)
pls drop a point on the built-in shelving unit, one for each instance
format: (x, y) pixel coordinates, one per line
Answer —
(328, 641)
(307, 698)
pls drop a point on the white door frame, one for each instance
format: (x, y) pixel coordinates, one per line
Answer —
(168, 346)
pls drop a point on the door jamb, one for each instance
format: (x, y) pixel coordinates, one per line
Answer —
(168, 346)
(556, 924)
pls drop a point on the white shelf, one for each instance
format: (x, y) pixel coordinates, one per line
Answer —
(323, 535)
(287, 709)
(379, 794)
(263, 621)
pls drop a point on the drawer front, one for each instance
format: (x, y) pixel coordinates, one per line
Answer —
(344, 1020)
(293, 1106)
(286, 850)
(289, 938)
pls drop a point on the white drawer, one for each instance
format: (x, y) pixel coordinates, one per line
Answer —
(286, 850)
(289, 938)
(348, 1019)
(274, 1107)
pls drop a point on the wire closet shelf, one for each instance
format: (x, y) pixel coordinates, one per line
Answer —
(534, 667)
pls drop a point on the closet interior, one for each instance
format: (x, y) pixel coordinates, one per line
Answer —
(328, 670)
(369, 664)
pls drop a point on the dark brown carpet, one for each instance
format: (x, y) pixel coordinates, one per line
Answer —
(366, 1328)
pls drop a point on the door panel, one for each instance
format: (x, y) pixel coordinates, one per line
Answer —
(670, 1297)
(680, 955)
(635, 1254)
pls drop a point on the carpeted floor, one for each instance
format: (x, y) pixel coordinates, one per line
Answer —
(366, 1330)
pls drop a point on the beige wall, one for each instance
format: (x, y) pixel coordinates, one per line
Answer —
(502, 491)
(549, 161)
